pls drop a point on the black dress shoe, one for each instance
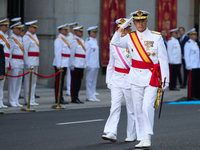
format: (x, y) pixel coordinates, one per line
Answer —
(36, 96)
(193, 99)
(20, 97)
(80, 101)
(76, 101)
(174, 89)
(62, 102)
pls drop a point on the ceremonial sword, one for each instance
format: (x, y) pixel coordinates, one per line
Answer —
(162, 98)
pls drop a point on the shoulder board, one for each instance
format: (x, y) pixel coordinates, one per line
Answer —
(155, 32)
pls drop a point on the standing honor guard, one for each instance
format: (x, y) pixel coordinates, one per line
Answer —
(174, 55)
(116, 79)
(70, 37)
(31, 58)
(6, 47)
(192, 61)
(78, 63)
(62, 55)
(149, 56)
(17, 65)
(92, 63)
(14, 21)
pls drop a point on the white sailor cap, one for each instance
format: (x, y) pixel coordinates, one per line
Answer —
(64, 26)
(93, 28)
(121, 21)
(192, 31)
(79, 28)
(16, 25)
(17, 19)
(32, 23)
(140, 14)
(73, 25)
(4, 22)
(173, 30)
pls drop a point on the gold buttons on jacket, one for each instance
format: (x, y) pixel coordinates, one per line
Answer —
(140, 70)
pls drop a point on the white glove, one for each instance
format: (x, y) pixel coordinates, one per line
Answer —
(124, 25)
(109, 86)
(27, 66)
(165, 87)
(189, 68)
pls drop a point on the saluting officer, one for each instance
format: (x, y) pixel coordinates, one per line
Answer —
(62, 55)
(17, 65)
(70, 37)
(192, 61)
(174, 57)
(31, 58)
(77, 62)
(149, 55)
(116, 79)
(6, 47)
(92, 63)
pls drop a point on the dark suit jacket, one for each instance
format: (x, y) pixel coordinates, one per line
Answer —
(2, 61)
(186, 38)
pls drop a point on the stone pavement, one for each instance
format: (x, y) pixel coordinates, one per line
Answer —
(46, 100)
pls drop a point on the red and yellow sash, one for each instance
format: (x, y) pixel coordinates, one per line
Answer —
(147, 62)
(79, 42)
(7, 44)
(19, 44)
(139, 47)
(33, 40)
(64, 41)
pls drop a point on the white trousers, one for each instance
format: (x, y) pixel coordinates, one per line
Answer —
(1, 87)
(33, 85)
(14, 86)
(143, 101)
(91, 82)
(68, 81)
(117, 95)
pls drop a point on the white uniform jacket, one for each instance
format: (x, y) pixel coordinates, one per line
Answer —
(5, 48)
(70, 37)
(158, 54)
(174, 51)
(92, 53)
(114, 78)
(61, 52)
(16, 51)
(77, 57)
(191, 54)
(31, 48)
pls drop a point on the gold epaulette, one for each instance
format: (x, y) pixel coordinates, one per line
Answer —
(155, 32)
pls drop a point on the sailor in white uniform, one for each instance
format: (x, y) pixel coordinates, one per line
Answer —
(13, 21)
(31, 58)
(6, 47)
(116, 79)
(62, 55)
(92, 63)
(174, 55)
(70, 37)
(192, 61)
(17, 65)
(149, 55)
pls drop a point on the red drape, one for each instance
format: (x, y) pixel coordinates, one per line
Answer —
(166, 15)
(110, 11)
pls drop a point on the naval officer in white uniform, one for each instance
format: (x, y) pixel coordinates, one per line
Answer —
(6, 47)
(149, 55)
(17, 65)
(116, 79)
(92, 63)
(31, 58)
(192, 61)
